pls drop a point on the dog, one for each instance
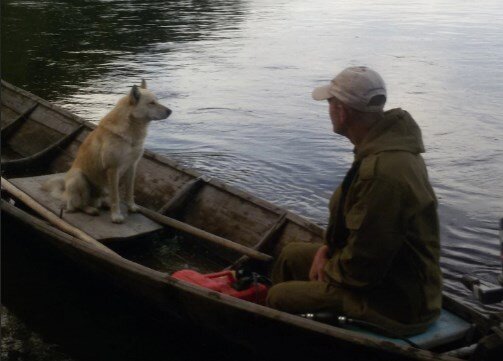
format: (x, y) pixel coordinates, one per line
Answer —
(109, 154)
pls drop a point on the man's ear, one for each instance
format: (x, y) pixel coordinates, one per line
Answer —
(143, 84)
(134, 95)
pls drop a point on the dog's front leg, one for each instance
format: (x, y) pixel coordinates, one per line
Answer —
(130, 177)
(113, 185)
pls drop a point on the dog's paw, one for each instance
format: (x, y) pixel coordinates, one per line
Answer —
(117, 218)
(133, 208)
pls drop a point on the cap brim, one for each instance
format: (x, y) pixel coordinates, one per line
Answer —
(322, 93)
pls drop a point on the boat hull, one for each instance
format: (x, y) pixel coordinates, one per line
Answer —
(213, 207)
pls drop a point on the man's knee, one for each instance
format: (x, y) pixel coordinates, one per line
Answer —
(294, 262)
(277, 295)
(299, 254)
(295, 250)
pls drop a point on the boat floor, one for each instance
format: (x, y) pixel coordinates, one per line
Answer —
(99, 227)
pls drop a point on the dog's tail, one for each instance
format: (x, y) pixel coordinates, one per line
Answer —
(55, 186)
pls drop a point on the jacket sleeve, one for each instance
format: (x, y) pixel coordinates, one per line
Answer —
(376, 234)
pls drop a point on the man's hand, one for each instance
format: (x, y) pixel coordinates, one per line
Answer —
(317, 272)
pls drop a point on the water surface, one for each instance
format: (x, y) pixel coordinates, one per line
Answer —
(238, 76)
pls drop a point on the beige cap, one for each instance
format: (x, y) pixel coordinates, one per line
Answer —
(355, 86)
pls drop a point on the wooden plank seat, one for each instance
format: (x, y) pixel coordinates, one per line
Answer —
(99, 227)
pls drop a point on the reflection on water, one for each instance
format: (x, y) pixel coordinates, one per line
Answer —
(54, 47)
(238, 76)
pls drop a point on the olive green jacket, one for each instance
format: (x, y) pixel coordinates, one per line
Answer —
(391, 259)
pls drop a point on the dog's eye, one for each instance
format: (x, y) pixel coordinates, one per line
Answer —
(152, 103)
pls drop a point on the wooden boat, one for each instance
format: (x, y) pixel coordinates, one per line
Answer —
(221, 223)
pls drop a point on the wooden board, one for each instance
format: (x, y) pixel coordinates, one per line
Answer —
(99, 227)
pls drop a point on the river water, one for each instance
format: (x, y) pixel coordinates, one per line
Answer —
(238, 76)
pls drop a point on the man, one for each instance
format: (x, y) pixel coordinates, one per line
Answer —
(380, 260)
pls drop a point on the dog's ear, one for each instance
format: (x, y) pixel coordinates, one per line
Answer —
(143, 84)
(134, 96)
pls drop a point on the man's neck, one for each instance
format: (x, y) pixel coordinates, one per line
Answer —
(359, 130)
(356, 135)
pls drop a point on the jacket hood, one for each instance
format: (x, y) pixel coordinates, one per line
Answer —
(396, 131)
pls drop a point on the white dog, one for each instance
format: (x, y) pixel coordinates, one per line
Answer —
(110, 153)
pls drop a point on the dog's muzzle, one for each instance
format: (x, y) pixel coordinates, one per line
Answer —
(161, 114)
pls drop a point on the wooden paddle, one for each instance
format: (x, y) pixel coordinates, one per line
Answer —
(199, 233)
